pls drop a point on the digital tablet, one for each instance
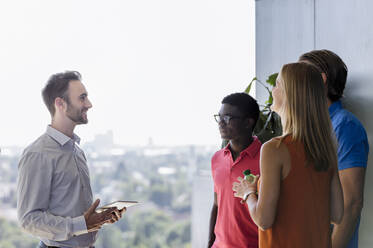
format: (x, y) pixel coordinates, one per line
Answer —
(118, 204)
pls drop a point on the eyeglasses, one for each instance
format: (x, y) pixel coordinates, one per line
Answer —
(225, 118)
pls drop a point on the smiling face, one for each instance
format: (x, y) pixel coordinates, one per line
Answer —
(77, 103)
(237, 126)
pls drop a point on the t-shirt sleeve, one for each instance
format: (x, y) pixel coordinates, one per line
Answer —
(353, 147)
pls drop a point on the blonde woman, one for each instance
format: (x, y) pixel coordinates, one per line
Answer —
(299, 191)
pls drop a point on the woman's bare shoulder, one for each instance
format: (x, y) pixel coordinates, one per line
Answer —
(275, 143)
(275, 148)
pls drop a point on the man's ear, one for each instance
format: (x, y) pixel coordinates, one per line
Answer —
(59, 102)
(323, 75)
(250, 122)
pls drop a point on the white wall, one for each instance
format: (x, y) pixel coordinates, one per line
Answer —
(287, 28)
(277, 43)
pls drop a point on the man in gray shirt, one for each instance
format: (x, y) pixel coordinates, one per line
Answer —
(54, 193)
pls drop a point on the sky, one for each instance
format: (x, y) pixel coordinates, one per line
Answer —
(153, 68)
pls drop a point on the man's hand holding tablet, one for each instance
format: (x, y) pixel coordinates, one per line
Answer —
(109, 213)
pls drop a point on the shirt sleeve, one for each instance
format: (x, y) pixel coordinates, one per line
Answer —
(353, 147)
(34, 187)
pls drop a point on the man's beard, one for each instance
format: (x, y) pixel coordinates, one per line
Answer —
(75, 114)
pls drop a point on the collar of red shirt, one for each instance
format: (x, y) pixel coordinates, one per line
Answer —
(251, 150)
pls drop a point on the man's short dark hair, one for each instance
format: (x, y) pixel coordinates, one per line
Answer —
(245, 103)
(57, 86)
(334, 68)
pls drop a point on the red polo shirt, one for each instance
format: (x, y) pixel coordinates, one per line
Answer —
(234, 227)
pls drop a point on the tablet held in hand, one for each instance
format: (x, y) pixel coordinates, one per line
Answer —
(118, 204)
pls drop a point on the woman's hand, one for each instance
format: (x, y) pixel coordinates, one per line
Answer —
(244, 187)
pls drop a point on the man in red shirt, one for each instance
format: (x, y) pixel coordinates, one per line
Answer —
(230, 223)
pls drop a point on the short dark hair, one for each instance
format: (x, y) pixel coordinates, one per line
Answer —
(334, 68)
(57, 86)
(245, 103)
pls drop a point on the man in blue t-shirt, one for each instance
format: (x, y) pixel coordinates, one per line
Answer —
(353, 147)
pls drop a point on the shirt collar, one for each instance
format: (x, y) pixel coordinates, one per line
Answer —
(61, 138)
(334, 107)
(251, 150)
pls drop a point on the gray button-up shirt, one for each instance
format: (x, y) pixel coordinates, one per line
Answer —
(54, 191)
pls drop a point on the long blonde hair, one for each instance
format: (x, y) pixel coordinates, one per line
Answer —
(306, 114)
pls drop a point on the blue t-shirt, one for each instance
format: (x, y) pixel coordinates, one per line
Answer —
(353, 147)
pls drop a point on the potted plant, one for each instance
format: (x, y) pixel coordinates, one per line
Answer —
(269, 123)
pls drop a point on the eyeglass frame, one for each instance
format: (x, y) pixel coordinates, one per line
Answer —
(227, 118)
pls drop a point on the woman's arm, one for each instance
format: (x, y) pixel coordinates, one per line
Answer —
(263, 209)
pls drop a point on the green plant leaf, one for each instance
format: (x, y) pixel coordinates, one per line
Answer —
(248, 88)
(272, 79)
(270, 99)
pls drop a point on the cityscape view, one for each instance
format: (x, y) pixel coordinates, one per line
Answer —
(172, 184)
